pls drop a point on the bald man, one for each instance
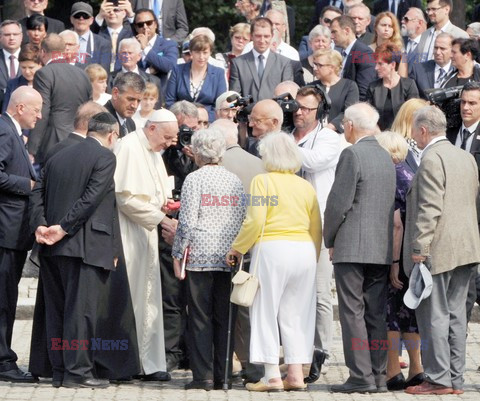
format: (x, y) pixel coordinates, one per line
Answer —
(17, 178)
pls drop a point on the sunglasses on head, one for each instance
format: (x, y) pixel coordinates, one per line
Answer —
(141, 24)
(81, 15)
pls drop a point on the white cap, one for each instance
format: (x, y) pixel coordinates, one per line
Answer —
(419, 286)
(162, 116)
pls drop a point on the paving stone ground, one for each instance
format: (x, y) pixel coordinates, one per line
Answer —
(173, 390)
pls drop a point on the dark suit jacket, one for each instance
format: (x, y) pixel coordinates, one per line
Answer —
(377, 94)
(366, 38)
(102, 31)
(382, 5)
(360, 67)
(178, 87)
(77, 191)
(474, 149)
(319, 6)
(101, 53)
(130, 123)
(71, 139)
(64, 88)
(4, 77)
(244, 76)
(54, 26)
(162, 57)
(16, 171)
(174, 18)
(358, 219)
(424, 76)
(11, 86)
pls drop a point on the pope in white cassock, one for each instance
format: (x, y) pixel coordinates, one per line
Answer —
(142, 188)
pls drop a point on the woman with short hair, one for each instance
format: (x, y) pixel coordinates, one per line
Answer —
(37, 26)
(98, 78)
(284, 232)
(319, 38)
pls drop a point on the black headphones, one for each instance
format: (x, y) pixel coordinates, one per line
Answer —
(324, 105)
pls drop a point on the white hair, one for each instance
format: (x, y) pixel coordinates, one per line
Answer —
(432, 119)
(319, 30)
(70, 33)
(208, 145)
(280, 153)
(228, 128)
(203, 30)
(131, 42)
(363, 116)
(475, 27)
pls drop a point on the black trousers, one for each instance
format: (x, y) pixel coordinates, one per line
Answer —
(11, 266)
(72, 291)
(362, 297)
(208, 299)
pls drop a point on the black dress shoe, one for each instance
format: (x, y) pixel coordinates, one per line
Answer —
(17, 376)
(416, 380)
(86, 383)
(206, 385)
(396, 383)
(157, 377)
(57, 383)
(219, 386)
(353, 388)
(316, 367)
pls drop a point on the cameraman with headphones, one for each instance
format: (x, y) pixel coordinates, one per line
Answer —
(320, 148)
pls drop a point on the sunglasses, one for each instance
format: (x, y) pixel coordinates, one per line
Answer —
(406, 19)
(327, 20)
(143, 23)
(81, 15)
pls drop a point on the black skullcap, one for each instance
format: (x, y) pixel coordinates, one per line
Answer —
(104, 118)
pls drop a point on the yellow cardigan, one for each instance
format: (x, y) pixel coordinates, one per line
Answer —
(292, 211)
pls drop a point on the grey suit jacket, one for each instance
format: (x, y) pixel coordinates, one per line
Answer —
(174, 18)
(441, 217)
(421, 51)
(244, 165)
(358, 219)
(244, 77)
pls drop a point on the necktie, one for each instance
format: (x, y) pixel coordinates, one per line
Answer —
(13, 73)
(124, 129)
(261, 67)
(114, 50)
(465, 135)
(441, 77)
(411, 46)
(392, 6)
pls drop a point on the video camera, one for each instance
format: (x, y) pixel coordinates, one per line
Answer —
(184, 136)
(448, 100)
(289, 106)
(244, 104)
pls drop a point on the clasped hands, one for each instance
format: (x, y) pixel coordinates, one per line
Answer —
(49, 235)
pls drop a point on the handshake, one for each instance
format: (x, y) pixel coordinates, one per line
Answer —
(49, 235)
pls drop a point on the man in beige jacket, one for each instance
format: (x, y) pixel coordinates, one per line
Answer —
(441, 230)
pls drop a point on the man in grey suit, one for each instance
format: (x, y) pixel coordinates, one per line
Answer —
(259, 71)
(64, 88)
(441, 230)
(438, 13)
(358, 230)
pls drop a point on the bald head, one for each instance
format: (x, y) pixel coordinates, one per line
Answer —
(287, 87)
(25, 106)
(266, 116)
(229, 130)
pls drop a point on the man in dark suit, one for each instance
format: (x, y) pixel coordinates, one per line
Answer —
(63, 88)
(358, 230)
(75, 219)
(397, 7)
(38, 7)
(360, 14)
(17, 178)
(93, 47)
(432, 74)
(259, 71)
(159, 55)
(10, 42)
(127, 92)
(171, 17)
(358, 60)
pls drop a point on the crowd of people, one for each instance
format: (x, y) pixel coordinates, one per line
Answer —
(136, 163)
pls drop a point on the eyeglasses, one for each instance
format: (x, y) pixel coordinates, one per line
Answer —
(229, 110)
(406, 19)
(141, 24)
(81, 15)
(305, 109)
(318, 65)
(116, 134)
(258, 120)
(327, 20)
(433, 9)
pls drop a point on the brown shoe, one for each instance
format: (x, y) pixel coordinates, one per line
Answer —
(429, 388)
(289, 387)
(261, 386)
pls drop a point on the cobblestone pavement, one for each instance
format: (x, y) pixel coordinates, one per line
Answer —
(173, 391)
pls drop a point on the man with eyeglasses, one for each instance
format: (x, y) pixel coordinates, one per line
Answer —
(224, 109)
(438, 12)
(397, 7)
(38, 7)
(413, 25)
(10, 41)
(93, 47)
(320, 148)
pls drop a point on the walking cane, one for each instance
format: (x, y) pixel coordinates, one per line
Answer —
(234, 265)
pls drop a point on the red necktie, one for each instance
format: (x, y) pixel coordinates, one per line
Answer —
(13, 73)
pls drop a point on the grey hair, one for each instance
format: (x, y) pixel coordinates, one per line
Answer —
(280, 153)
(475, 27)
(208, 145)
(129, 80)
(223, 98)
(419, 13)
(101, 129)
(184, 107)
(228, 128)
(360, 5)
(203, 30)
(68, 32)
(432, 119)
(363, 116)
(319, 30)
(130, 42)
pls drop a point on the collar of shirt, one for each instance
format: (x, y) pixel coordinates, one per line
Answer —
(432, 142)
(17, 125)
(8, 54)
(359, 139)
(348, 49)
(472, 127)
(305, 138)
(149, 46)
(111, 30)
(121, 120)
(265, 54)
(446, 67)
(85, 36)
(134, 70)
(416, 39)
(76, 133)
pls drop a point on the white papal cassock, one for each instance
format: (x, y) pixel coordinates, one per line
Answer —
(141, 186)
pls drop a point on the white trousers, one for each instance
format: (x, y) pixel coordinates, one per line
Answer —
(285, 300)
